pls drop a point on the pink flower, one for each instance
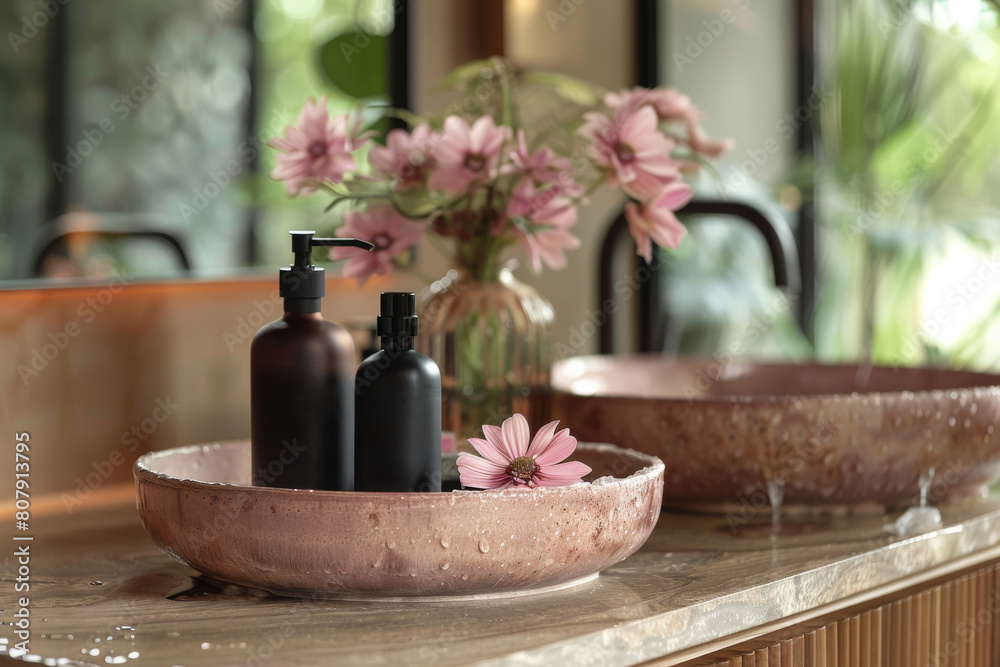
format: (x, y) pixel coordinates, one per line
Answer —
(386, 229)
(655, 220)
(508, 460)
(543, 165)
(315, 150)
(631, 147)
(463, 155)
(669, 104)
(406, 156)
(700, 143)
(550, 216)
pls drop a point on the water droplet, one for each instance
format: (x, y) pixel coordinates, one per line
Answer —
(445, 543)
(465, 577)
(413, 574)
(390, 544)
(205, 646)
(97, 583)
(951, 421)
(445, 566)
(484, 546)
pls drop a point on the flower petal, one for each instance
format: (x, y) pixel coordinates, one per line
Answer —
(488, 450)
(494, 434)
(561, 446)
(542, 439)
(517, 434)
(561, 474)
(480, 473)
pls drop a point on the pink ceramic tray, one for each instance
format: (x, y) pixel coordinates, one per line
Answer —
(198, 506)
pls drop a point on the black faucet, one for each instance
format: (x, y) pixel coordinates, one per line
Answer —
(772, 226)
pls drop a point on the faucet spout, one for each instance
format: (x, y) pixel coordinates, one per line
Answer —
(772, 226)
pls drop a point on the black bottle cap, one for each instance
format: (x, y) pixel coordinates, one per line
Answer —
(398, 314)
(302, 280)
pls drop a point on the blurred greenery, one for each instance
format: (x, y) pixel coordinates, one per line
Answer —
(294, 35)
(906, 206)
(909, 143)
(176, 146)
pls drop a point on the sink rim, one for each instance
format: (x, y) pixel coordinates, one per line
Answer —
(561, 384)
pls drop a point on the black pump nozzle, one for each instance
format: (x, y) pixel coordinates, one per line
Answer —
(303, 243)
(302, 285)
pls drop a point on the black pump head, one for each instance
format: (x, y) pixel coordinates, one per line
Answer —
(303, 243)
(302, 284)
(398, 315)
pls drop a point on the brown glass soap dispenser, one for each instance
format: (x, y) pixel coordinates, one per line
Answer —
(302, 384)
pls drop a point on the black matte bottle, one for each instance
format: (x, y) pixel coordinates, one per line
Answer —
(302, 385)
(397, 440)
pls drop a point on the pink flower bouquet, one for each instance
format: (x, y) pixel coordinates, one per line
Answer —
(488, 180)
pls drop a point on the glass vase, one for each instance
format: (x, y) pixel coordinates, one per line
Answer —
(491, 335)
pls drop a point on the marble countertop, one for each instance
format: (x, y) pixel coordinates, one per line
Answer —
(102, 593)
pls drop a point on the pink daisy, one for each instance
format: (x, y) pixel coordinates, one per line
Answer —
(656, 220)
(406, 156)
(700, 143)
(386, 229)
(464, 155)
(633, 150)
(669, 104)
(543, 165)
(509, 460)
(316, 149)
(551, 216)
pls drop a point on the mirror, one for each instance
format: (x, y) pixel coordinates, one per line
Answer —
(134, 134)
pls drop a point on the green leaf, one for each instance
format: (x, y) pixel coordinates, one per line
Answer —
(570, 89)
(356, 63)
(467, 73)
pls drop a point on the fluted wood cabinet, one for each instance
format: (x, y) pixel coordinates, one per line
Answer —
(951, 623)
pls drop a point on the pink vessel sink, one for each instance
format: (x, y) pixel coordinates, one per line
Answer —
(834, 435)
(198, 506)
